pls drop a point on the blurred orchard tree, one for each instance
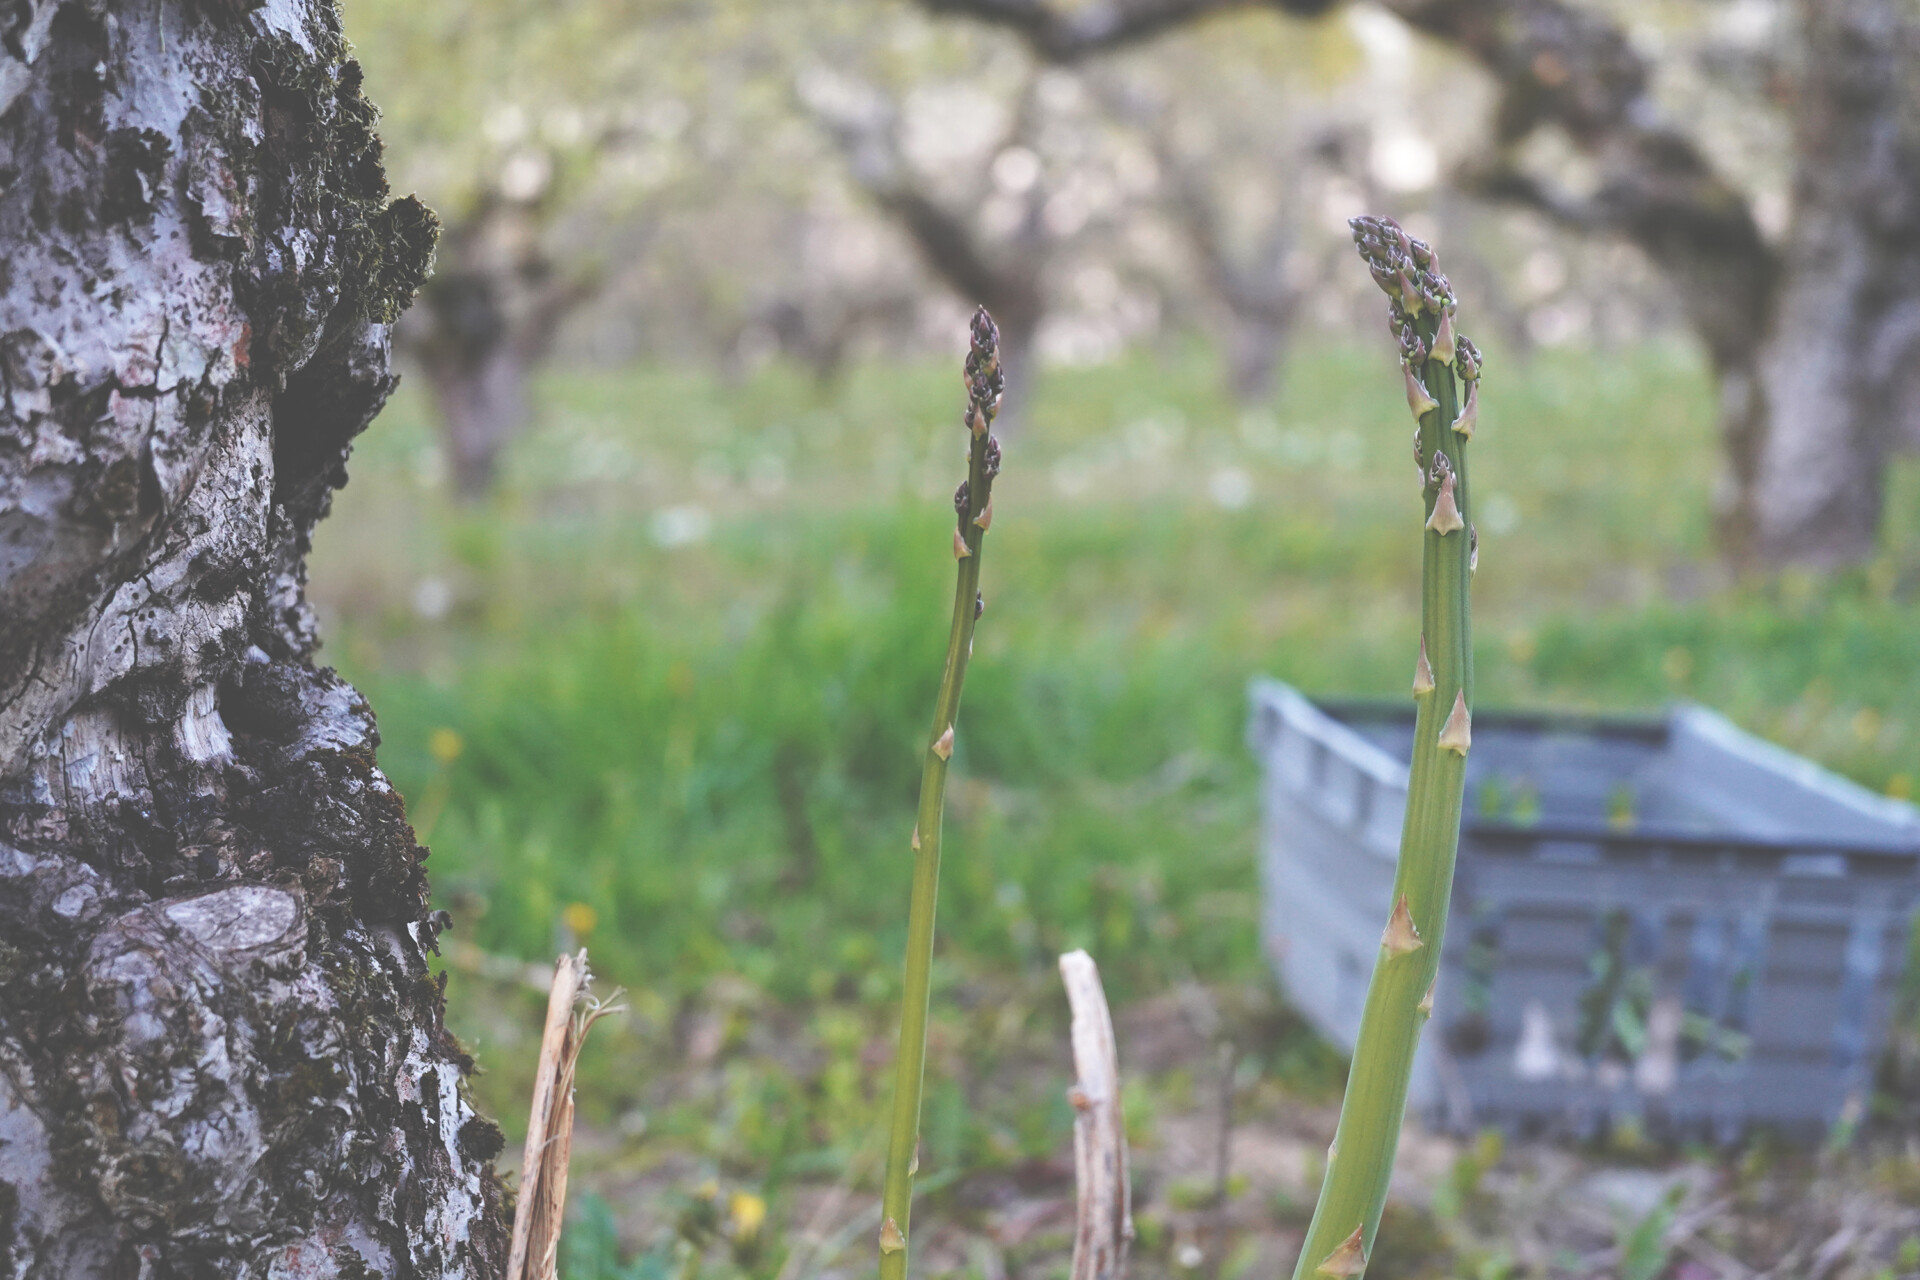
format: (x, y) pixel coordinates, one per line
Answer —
(722, 181)
(1803, 292)
(632, 160)
(552, 139)
(718, 181)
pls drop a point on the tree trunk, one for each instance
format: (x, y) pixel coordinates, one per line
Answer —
(1017, 341)
(221, 1051)
(488, 317)
(1841, 374)
(479, 380)
(1253, 355)
(1009, 286)
(481, 409)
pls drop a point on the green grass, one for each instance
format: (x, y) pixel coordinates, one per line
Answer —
(713, 746)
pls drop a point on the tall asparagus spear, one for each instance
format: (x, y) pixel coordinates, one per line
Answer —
(1435, 360)
(973, 512)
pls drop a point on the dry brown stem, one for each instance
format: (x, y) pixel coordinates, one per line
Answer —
(1103, 1221)
(535, 1252)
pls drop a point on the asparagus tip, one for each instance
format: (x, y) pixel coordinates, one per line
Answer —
(1408, 272)
(986, 380)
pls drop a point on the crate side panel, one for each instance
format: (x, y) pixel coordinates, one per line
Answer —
(1326, 907)
(1755, 788)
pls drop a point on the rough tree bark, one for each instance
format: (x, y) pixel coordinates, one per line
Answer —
(221, 1052)
(490, 314)
(1812, 343)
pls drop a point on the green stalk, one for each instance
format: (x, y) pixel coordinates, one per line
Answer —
(973, 509)
(1400, 996)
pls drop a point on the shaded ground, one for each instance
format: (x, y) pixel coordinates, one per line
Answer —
(1474, 1206)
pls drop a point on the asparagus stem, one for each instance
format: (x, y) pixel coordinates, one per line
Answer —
(973, 510)
(1399, 998)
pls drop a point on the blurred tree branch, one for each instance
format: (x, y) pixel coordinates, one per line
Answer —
(1554, 65)
(1254, 283)
(1005, 278)
(1066, 34)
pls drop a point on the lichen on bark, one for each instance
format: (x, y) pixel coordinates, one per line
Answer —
(221, 1050)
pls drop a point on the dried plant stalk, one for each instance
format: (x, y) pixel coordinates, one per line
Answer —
(535, 1251)
(1103, 1219)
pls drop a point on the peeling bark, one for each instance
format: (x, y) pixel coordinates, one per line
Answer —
(221, 1052)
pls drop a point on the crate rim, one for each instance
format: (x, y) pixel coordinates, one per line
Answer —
(1331, 716)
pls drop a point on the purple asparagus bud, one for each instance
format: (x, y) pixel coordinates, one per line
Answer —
(1466, 358)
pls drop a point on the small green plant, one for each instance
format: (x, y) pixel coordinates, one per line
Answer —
(973, 514)
(1435, 361)
(1460, 1191)
(590, 1248)
(1644, 1250)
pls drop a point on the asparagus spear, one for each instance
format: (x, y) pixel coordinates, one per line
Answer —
(1436, 361)
(973, 511)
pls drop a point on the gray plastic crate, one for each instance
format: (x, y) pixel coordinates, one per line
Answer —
(1661, 918)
